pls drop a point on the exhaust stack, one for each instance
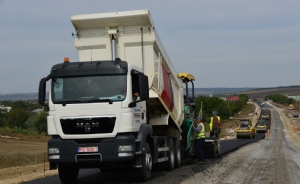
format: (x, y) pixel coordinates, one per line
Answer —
(113, 47)
(113, 33)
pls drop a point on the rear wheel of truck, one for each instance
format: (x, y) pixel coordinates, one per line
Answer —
(145, 172)
(178, 155)
(67, 174)
(170, 164)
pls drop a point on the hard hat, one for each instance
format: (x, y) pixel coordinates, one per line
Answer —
(199, 117)
(215, 112)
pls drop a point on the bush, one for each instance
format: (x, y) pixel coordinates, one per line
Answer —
(210, 104)
(279, 98)
(2, 119)
(17, 118)
(38, 122)
(225, 109)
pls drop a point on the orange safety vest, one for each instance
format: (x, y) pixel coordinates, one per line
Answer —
(211, 122)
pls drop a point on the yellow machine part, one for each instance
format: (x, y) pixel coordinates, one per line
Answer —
(250, 133)
(188, 76)
(240, 134)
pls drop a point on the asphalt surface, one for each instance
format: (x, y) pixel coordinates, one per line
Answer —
(228, 146)
(178, 175)
(274, 160)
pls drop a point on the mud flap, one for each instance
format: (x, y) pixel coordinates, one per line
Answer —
(190, 141)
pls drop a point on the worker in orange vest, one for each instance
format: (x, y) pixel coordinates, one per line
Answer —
(215, 125)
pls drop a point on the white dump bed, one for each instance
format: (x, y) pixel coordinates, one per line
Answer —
(137, 43)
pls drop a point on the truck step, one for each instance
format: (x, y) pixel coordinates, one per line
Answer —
(163, 159)
(138, 152)
(138, 166)
(163, 149)
(138, 140)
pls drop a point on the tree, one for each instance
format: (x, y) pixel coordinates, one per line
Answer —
(279, 98)
(17, 118)
(2, 120)
(38, 121)
(211, 104)
(19, 105)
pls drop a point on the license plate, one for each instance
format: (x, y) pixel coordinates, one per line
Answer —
(87, 149)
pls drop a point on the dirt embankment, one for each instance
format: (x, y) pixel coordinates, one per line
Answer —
(291, 125)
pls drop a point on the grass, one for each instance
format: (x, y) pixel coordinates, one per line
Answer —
(249, 108)
(21, 159)
(28, 134)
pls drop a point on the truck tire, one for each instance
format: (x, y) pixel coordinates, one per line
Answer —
(178, 155)
(170, 164)
(67, 174)
(145, 172)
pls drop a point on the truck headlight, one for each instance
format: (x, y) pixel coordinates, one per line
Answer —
(125, 148)
(53, 150)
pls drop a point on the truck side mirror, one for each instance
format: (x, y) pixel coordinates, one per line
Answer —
(143, 87)
(132, 104)
(42, 91)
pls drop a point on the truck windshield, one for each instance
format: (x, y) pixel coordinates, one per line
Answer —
(88, 89)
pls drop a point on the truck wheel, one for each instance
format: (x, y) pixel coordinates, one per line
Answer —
(178, 155)
(145, 171)
(171, 155)
(67, 174)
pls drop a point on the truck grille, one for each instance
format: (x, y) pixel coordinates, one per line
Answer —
(87, 125)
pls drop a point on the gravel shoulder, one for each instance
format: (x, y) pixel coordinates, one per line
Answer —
(271, 160)
(289, 122)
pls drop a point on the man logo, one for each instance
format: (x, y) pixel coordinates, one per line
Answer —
(87, 126)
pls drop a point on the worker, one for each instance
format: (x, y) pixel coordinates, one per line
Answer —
(135, 96)
(199, 128)
(215, 124)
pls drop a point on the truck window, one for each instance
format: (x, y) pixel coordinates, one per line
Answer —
(89, 89)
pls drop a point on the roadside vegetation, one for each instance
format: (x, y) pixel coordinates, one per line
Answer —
(22, 122)
(281, 99)
(25, 118)
(226, 109)
(21, 159)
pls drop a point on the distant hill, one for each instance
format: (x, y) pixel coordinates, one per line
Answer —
(198, 92)
(260, 94)
(19, 96)
(218, 91)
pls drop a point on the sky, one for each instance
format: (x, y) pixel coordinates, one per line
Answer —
(223, 43)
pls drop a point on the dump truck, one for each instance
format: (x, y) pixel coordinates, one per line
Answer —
(122, 105)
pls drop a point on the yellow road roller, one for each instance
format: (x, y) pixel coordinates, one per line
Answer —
(245, 129)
